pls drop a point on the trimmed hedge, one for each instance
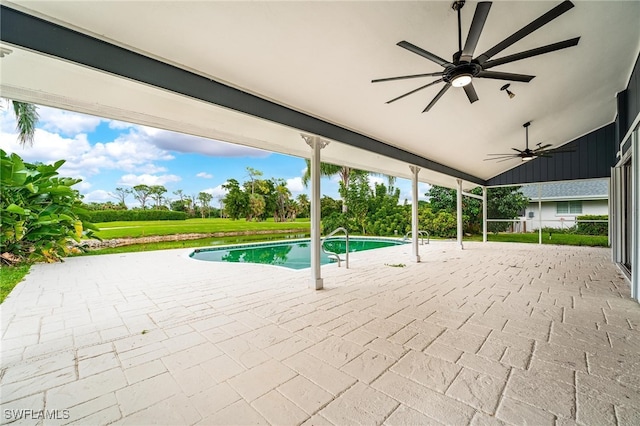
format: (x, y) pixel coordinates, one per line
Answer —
(591, 228)
(98, 216)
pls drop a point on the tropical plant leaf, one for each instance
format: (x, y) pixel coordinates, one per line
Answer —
(26, 120)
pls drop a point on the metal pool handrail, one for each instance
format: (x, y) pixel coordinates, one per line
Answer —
(336, 255)
(420, 236)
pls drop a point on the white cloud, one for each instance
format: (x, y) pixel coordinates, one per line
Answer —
(295, 184)
(97, 196)
(172, 141)
(129, 152)
(66, 122)
(47, 147)
(218, 193)
(82, 186)
(204, 175)
(405, 191)
(373, 180)
(147, 179)
(119, 125)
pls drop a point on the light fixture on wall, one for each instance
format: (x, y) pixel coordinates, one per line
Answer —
(509, 92)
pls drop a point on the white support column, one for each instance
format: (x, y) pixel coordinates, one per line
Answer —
(614, 214)
(414, 213)
(316, 145)
(484, 214)
(459, 212)
(635, 215)
(539, 213)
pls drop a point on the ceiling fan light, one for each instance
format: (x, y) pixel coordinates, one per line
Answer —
(528, 157)
(461, 80)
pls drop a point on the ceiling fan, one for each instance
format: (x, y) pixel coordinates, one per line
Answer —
(461, 71)
(527, 153)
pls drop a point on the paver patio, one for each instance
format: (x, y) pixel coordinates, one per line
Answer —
(496, 333)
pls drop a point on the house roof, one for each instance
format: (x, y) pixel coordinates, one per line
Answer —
(261, 73)
(596, 189)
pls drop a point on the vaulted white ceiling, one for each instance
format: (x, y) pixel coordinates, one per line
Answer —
(319, 58)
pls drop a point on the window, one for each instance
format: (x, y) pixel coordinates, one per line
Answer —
(569, 207)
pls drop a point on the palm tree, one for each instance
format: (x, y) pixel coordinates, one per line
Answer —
(344, 172)
(327, 169)
(26, 120)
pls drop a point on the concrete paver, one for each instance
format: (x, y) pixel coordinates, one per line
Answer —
(493, 334)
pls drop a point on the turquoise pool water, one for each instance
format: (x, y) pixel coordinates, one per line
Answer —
(293, 254)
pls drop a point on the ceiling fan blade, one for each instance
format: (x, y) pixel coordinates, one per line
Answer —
(404, 77)
(471, 92)
(479, 18)
(501, 158)
(415, 90)
(516, 149)
(533, 52)
(438, 96)
(496, 75)
(419, 51)
(542, 148)
(507, 159)
(504, 154)
(526, 30)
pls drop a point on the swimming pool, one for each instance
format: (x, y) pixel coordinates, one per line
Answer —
(290, 254)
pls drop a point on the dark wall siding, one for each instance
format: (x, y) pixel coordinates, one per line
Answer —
(629, 105)
(633, 96)
(594, 156)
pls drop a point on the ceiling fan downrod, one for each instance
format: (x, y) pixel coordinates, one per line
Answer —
(457, 5)
(526, 129)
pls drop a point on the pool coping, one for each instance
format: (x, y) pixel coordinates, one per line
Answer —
(189, 255)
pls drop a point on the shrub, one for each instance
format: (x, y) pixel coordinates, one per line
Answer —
(39, 212)
(593, 228)
(566, 230)
(336, 220)
(134, 215)
(442, 224)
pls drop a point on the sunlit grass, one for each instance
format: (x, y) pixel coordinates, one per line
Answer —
(10, 276)
(558, 239)
(202, 242)
(134, 229)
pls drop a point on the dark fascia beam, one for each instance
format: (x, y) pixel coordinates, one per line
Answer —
(29, 32)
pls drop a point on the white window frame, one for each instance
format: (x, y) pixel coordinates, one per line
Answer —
(573, 208)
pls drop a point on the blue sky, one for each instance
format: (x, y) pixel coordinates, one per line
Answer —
(107, 154)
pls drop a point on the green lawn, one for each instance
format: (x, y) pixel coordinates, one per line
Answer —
(202, 242)
(559, 239)
(10, 276)
(134, 229)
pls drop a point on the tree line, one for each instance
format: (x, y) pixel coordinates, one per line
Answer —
(362, 208)
(378, 210)
(255, 199)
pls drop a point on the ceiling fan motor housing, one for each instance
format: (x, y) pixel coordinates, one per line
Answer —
(450, 73)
